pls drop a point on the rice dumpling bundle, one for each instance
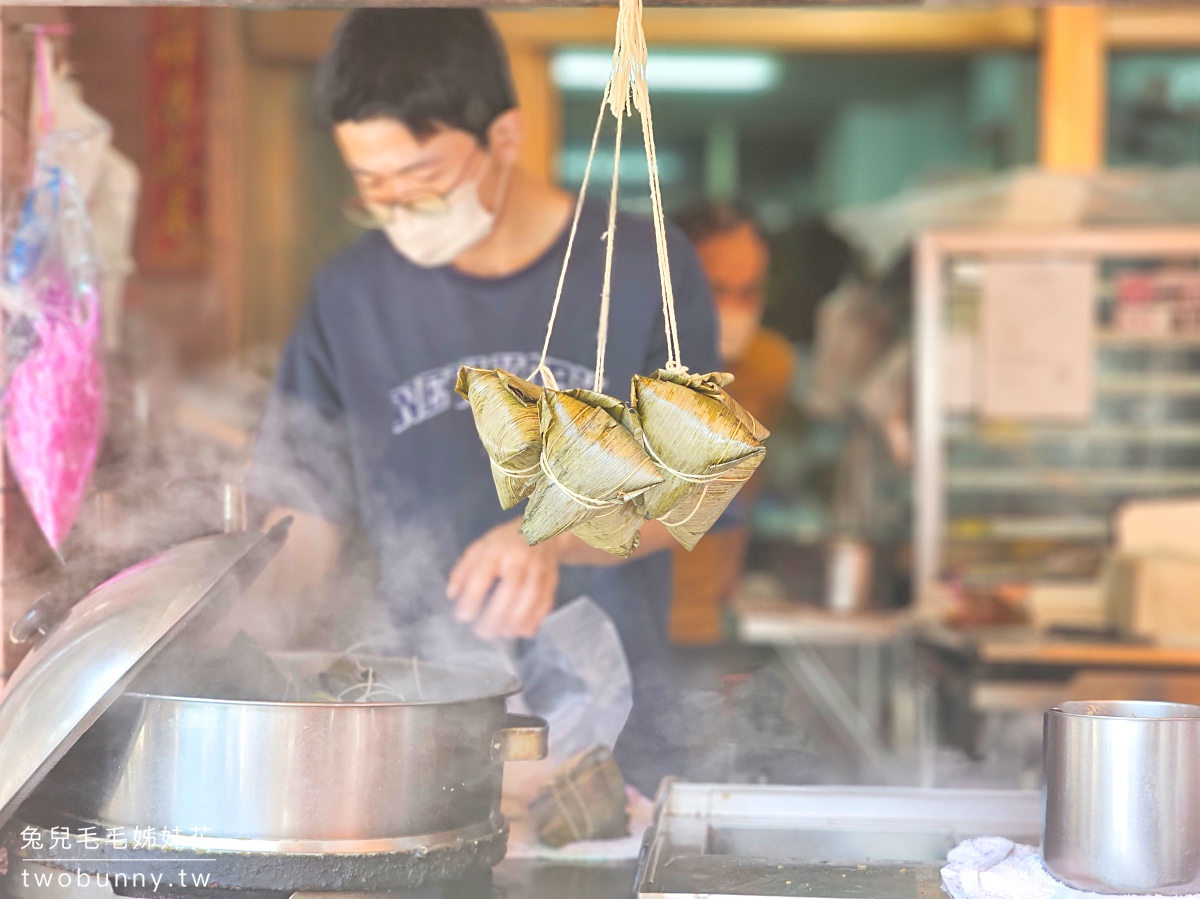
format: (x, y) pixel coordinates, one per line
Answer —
(592, 465)
(585, 801)
(705, 444)
(506, 416)
(614, 531)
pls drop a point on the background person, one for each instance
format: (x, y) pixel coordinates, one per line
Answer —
(364, 430)
(736, 260)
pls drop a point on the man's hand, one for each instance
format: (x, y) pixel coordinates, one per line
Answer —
(520, 578)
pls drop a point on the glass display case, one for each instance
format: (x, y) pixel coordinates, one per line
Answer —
(1058, 376)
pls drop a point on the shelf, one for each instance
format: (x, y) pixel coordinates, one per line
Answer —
(1063, 527)
(1006, 500)
(1122, 340)
(1175, 385)
(1174, 434)
(1062, 479)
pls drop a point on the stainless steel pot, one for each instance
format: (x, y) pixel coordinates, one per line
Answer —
(292, 777)
(1123, 796)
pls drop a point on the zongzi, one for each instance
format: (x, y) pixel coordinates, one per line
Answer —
(592, 464)
(614, 531)
(585, 801)
(506, 416)
(705, 444)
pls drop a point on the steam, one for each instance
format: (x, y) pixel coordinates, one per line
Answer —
(175, 441)
(158, 485)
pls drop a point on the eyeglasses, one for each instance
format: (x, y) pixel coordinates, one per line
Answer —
(365, 214)
(378, 215)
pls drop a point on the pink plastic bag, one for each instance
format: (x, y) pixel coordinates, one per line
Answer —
(54, 400)
(54, 411)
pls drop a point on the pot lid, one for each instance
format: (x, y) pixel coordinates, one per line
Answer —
(85, 661)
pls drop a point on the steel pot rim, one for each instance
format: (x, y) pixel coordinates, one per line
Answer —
(1090, 710)
(507, 684)
(318, 704)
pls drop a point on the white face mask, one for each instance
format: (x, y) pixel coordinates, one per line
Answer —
(735, 329)
(432, 239)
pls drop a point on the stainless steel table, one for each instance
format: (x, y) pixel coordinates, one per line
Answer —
(761, 842)
(525, 879)
(997, 672)
(882, 715)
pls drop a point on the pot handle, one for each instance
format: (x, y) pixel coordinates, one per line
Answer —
(522, 739)
(49, 609)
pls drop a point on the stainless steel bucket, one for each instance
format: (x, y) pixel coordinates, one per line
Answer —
(1123, 796)
(232, 775)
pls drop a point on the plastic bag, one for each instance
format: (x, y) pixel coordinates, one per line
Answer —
(853, 332)
(54, 400)
(576, 676)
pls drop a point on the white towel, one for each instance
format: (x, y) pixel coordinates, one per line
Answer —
(523, 841)
(996, 868)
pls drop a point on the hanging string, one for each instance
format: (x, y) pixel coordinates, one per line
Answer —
(629, 83)
(610, 241)
(44, 67)
(629, 57)
(587, 502)
(626, 85)
(674, 354)
(548, 376)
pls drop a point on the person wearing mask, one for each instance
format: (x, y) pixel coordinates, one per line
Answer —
(735, 258)
(364, 430)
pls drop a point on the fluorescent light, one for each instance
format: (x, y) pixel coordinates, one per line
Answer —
(718, 73)
(572, 160)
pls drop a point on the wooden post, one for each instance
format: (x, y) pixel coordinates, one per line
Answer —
(272, 208)
(1073, 88)
(226, 164)
(540, 110)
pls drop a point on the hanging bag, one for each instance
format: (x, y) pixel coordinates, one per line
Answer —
(54, 399)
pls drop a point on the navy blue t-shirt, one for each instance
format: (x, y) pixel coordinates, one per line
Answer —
(364, 425)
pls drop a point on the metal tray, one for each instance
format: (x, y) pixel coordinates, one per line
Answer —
(756, 842)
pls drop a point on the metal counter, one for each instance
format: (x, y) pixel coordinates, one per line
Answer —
(527, 879)
(760, 842)
(511, 879)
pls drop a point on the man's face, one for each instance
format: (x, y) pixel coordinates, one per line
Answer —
(391, 166)
(736, 264)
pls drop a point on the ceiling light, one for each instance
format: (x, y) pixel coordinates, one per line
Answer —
(723, 73)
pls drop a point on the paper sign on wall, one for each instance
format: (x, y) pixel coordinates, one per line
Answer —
(1038, 339)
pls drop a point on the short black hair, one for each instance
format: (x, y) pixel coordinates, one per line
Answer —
(714, 217)
(422, 67)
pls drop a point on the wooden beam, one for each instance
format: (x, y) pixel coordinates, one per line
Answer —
(1073, 78)
(295, 37)
(487, 4)
(1148, 28)
(809, 29)
(301, 36)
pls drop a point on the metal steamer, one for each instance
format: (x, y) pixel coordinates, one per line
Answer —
(259, 796)
(1123, 797)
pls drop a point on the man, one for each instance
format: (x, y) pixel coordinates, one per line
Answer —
(364, 429)
(735, 258)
